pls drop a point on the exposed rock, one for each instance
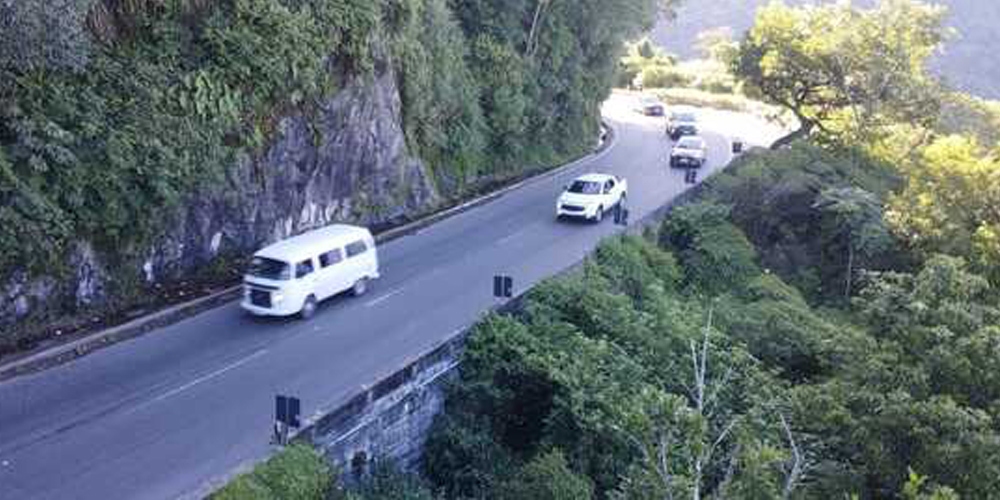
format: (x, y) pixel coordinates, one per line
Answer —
(349, 162)
(90, 276)
(21, 295)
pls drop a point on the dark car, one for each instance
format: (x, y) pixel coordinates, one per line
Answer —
(682, 122)
(651, 106)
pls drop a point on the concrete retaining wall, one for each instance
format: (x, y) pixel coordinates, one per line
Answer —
(391, 418)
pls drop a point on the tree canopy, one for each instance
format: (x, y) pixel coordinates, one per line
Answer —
(839, 68)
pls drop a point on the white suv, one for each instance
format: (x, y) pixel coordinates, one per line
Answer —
(591, 196)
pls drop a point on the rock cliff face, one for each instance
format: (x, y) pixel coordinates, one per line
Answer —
(348, 162)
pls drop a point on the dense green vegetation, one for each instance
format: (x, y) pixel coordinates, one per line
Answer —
(649, 66)
(649, 374)
(857, 82)
(685, 369)
(297, 473)
(823, 324)
(844, 72)
(113, 111)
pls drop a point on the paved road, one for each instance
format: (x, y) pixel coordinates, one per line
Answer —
(160, 416)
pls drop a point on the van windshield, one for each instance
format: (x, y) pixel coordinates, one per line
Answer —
(271, 269)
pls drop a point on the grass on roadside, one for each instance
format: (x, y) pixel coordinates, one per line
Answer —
(297, 473)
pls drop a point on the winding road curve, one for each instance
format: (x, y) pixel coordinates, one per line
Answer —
(163, 415)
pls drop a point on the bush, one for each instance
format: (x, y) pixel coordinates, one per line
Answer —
(716, 256)
(547, 477)
(297, 473)
(636, 267)
(387, 482)
(461, 456)
(664, 77)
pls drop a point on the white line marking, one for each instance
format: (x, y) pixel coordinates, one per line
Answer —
(210, 376)
(383, 298)
(507, 238)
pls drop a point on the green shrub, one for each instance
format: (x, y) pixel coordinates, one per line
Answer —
(633, 265)
(716, 256)
(245, 488)
(664, 77)
(386, 481)
(297, 473)
(462, 457)
(547, 477)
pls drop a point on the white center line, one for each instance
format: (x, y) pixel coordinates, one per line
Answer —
(210, 376)
(383, 298)
(505, 239)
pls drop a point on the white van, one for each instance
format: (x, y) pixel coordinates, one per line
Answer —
(292, 276)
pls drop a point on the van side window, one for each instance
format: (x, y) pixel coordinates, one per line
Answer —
(356, 248)
(303, 268)
(330, 258)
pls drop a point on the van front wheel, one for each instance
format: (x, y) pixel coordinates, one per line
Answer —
(360, 287)
(308, 308)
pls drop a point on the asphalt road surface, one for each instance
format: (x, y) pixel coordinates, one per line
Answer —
(166, 414)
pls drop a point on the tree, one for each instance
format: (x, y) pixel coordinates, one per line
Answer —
(716, 43)
(43, 35)
(677, 438)
(917, 488)
(715, 254)
(857, 217)
(547, 477)
(836, 67)
(950, 203)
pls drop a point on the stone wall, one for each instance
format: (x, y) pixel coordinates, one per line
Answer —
(390, 419)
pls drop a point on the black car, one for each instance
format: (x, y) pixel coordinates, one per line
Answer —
(651, 106)
(682, 122)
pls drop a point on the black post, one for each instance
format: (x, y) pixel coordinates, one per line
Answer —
(286, 416)
(503, 286)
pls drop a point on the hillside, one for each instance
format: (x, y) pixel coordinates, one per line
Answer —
(968, 62)
(147, 143)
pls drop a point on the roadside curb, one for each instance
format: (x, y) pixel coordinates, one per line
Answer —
(64, 353)
(406, 229)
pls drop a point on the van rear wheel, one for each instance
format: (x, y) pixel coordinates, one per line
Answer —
(360, 287)
(308, 308)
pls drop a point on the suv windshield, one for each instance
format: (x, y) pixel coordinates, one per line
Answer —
(689, 143)
(271, 269)
(685, 117)
(585, 187)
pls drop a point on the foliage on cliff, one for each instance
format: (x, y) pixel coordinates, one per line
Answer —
(655, 375)
(112, 112)
(824, 324)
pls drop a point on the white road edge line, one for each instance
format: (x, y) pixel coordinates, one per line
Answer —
(507, 238)
(210, 376)
(383, 298)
